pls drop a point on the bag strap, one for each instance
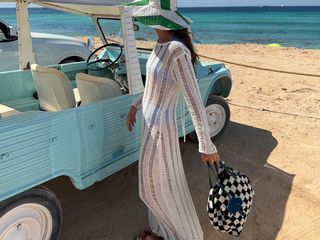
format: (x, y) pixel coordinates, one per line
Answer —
(214, 172)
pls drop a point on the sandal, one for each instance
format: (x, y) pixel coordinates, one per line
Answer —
(147, 233)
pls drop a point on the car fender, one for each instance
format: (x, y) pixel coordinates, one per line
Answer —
(221, 83)
(221, 86)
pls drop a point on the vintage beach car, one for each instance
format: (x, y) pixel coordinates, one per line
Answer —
(49, 49)
(45, 132)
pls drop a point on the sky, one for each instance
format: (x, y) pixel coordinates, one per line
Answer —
(228, 3)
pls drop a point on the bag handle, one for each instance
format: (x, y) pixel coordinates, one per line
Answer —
(215, 173)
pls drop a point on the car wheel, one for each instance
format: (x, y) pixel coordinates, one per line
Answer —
(218, 115)
(32, 215)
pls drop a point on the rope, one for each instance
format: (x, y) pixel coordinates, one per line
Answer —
(267, 110)
(260, 68)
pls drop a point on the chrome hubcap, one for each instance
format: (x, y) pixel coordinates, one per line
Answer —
(26, 222)
(216, 118)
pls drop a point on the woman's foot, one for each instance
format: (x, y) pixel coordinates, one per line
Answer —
(149, 235)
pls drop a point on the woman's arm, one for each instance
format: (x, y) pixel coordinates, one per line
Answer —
(184, 75)
(137, 103)
(131, 117)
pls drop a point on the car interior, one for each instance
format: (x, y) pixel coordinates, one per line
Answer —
(71, 85)
(55, 91)
(55, 88)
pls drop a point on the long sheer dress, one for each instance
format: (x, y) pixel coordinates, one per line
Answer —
(162, 182)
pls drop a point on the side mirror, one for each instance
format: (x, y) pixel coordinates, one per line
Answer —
(90, 44)
(13, 32)
(135, 27)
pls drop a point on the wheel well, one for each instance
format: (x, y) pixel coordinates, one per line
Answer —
(71, 59)
(222, 86)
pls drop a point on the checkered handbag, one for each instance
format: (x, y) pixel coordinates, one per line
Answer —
(229, 200)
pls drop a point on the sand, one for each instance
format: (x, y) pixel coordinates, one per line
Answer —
(273, 137)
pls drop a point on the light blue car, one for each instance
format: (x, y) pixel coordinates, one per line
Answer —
(70, 119)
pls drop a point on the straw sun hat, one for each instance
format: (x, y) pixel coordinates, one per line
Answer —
(161, 14)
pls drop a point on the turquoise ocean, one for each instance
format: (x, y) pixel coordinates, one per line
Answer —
(288, 26)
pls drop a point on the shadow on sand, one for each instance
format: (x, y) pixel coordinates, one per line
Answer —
(247, 149)
(112, 209)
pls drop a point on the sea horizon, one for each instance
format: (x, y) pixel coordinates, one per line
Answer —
(249, 6)
(289, 26)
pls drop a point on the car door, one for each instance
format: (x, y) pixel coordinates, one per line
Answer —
(106, 144)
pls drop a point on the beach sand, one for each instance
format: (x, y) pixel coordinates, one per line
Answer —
(273, 137)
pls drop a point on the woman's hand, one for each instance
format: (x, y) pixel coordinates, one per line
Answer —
(131, 118)
(210, 158)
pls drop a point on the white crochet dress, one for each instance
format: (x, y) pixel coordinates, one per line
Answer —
(162, 182)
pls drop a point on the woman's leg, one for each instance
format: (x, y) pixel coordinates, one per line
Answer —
(150, 190)
(175, 188)
(163, 188)
(191, 223)
(157, 227)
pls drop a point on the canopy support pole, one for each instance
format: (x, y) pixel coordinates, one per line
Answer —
(26, 54)
(131, 53)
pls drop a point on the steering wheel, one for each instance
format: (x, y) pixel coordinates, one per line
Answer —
(108, 62)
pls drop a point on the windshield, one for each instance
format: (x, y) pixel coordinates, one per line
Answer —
(145, 36)
(145, 33)
(111, 29)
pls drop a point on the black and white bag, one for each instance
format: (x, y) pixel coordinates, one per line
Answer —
(229, 200)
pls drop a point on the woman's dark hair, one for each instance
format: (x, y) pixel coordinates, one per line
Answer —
(183, 36)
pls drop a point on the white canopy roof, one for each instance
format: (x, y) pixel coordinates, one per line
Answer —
(107, 8)
(86, 2)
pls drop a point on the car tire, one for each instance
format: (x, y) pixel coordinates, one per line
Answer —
(35, 214)
(218, 115)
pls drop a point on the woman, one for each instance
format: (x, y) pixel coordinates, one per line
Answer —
(162, 182)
